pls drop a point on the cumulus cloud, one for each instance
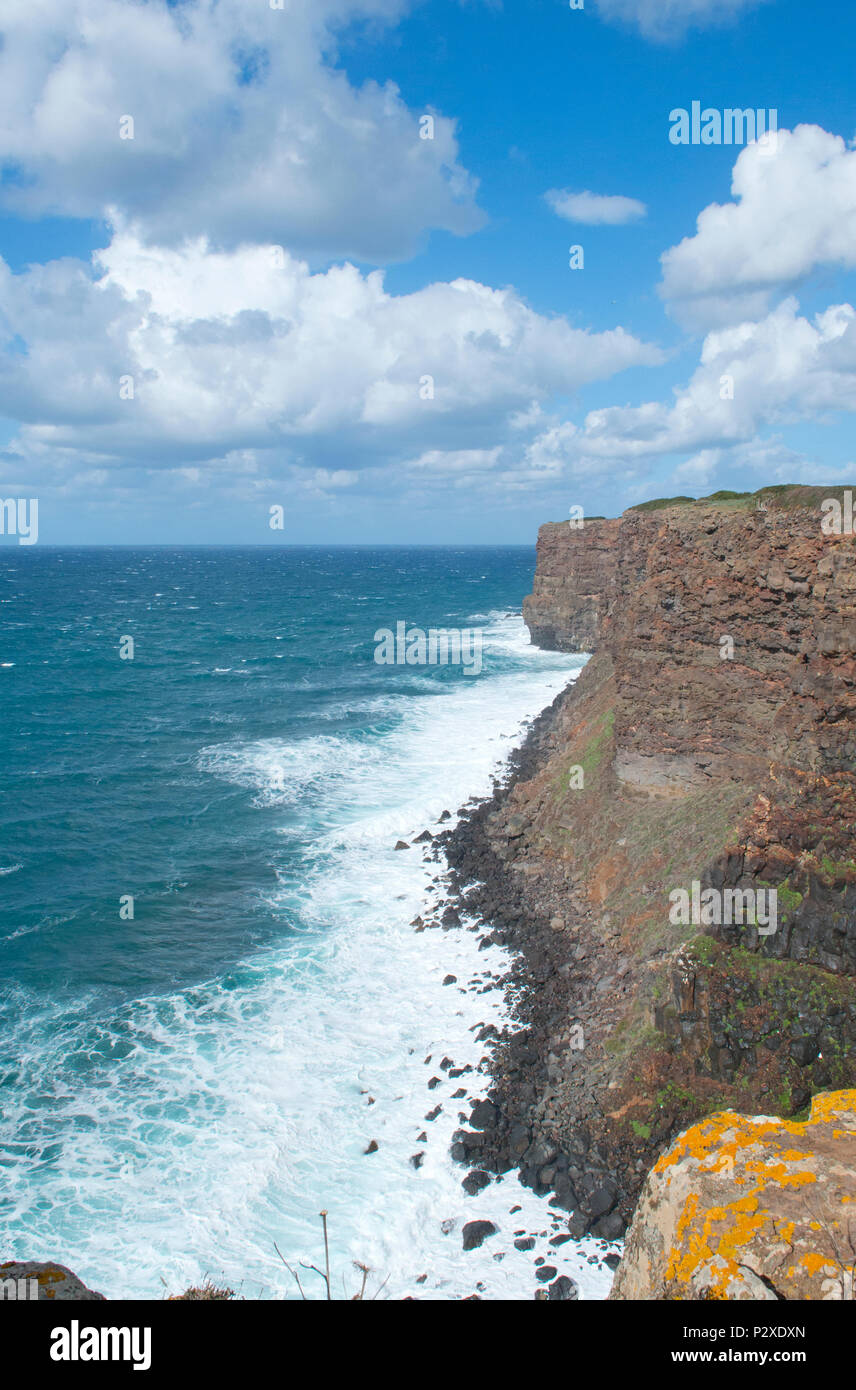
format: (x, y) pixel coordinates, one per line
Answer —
(669, 19)
(246, 360)
(763, 365)
(594, 209)
(794, 210)
(768, 460)
(244, 127)
(782, 369)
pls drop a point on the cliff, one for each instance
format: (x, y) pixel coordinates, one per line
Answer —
(709, 741)
(728, 634)
(575, 584)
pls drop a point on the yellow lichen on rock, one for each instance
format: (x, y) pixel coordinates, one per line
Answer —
(749, 1208)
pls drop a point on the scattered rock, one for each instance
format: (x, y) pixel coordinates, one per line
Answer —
(564, 1289)
(475, 1233)
(476, 1181)
(483, 1115)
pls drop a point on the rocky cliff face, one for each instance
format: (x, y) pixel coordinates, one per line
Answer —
(575, 579)
(731, 631)
(709, 741)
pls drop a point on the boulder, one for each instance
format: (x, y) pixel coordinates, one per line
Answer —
(54, 1282)
(476, 1181)
(749, 1209)
(476, 1232)
(564, 1290)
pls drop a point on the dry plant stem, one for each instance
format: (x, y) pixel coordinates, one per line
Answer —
(291, 1271)
(326, 1254)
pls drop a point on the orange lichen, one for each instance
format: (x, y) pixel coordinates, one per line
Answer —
(814, 1263)
(757, 1154)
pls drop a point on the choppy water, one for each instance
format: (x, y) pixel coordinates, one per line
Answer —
(180, 1090)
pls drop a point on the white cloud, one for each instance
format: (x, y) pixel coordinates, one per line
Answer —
(594, 209)
(778, 371)
(794, 210)
(247, 362)
(244, 129)
(669, 19)
(699, 471)
(450, 461)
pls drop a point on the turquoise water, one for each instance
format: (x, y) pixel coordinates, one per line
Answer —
(183, 1088)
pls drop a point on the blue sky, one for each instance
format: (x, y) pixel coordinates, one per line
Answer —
(275, 293)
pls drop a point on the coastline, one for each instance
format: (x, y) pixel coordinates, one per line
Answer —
(669, 762)
(558, 1008)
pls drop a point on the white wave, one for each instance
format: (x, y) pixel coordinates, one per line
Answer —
(238, 1110)
(281, 770)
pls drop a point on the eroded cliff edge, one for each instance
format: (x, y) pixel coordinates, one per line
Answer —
(710, 738)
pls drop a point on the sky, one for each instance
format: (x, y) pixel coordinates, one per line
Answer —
(391, 272)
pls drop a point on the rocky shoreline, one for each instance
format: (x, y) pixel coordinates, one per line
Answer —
(708, 739)
(555, 997)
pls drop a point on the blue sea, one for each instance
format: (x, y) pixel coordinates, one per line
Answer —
(181, 1089)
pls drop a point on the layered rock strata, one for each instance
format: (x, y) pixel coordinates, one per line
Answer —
(709, 741)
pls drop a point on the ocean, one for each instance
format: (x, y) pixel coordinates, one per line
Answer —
(183, 1089)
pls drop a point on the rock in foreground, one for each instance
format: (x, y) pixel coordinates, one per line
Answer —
(54, 1282)
(750, 1208)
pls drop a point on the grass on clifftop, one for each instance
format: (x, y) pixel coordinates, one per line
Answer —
(785, 496)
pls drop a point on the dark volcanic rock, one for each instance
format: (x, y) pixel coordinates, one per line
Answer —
(483, 1115)
(564, 1289)
(476, 1181)
(476, 1232)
